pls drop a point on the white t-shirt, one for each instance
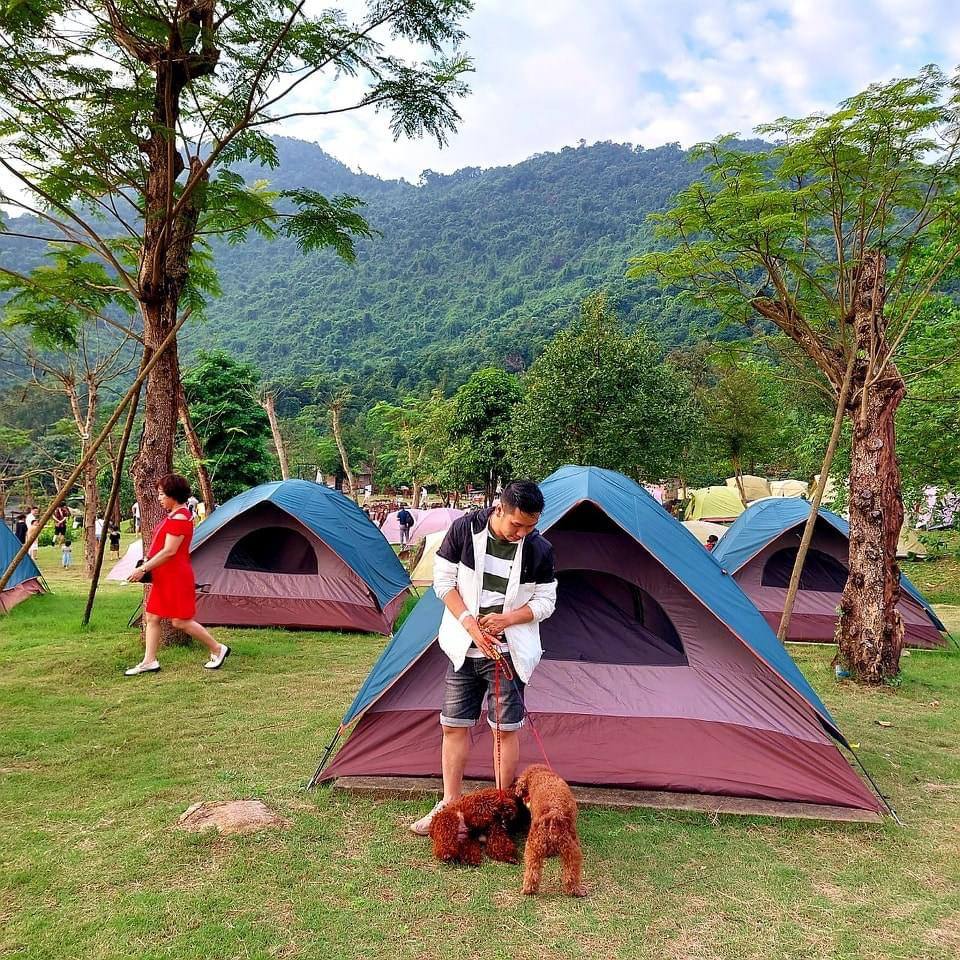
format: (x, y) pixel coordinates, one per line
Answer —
(98, 528)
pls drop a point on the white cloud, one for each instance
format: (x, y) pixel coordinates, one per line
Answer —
(550, 73)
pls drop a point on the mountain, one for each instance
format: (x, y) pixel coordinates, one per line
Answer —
(472, 268)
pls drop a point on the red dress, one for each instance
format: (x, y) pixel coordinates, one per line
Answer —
(173, 591)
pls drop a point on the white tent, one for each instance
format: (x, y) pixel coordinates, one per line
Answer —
(127, 563)
(702, 529)
(788, 488)
(422, 573)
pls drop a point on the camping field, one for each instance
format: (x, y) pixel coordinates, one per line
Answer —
(95, 769)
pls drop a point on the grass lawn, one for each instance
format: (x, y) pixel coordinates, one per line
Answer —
(95, 769)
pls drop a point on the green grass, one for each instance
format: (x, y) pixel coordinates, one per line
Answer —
(95, 769)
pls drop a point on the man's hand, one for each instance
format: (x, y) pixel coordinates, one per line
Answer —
(482, 639)
(495, 623)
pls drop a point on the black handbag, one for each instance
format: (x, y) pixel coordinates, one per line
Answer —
(147, 577)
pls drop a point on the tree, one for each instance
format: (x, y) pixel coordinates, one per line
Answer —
(819, 236)
(121, 121)
(233, 430)
(480, 418)
(601, 396)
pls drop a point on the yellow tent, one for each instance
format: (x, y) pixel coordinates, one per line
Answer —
(714, 503)
(422, 574)
(909, 544)
(788, 488)
(754, 488)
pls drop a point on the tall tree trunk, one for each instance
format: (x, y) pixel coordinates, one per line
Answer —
(269, 405)
(869, 630)
(738, 478)
(196, 451)
(163, 274)
(335, 410)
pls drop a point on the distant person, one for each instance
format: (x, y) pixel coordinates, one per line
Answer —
(136, 516)
(114, 534)
(66, 553)
(201, 511)
(172, 594)
(192, 506)
(712, 541)
(60, 518)
(424, 498)
(405, 519)
(32, 519)
(367, 493)
(98, 527)
(20, 528)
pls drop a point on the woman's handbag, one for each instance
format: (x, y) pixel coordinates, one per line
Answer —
(147, 577)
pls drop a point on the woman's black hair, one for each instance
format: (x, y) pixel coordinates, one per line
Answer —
(175, 487)
(522, 495)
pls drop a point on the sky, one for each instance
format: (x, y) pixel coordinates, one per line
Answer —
(549, 73)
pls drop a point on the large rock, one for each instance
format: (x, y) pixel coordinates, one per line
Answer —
(231, 816)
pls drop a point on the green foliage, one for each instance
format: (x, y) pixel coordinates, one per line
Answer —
(780, 233)
(232, 427)
(601, 396)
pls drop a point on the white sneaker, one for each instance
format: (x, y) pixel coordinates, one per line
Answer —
(421, 827)
(142, 668)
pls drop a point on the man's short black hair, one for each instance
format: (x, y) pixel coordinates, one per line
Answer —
(522, 495)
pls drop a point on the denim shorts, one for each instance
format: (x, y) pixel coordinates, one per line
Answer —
(464, 690)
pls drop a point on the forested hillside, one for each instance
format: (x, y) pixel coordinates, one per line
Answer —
(475, 268)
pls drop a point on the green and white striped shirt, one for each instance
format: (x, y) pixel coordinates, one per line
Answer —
(501, 555)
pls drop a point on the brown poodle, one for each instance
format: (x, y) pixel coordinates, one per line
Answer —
(553, 829)
(487, 813)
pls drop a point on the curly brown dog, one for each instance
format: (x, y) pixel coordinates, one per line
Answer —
(553, 829)
(488, 813)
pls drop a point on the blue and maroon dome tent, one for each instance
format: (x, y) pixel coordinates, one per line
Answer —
(26, 579)
(658, 672)
(296, 554)
(759, 551)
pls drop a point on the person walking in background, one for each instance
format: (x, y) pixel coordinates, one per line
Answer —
(60, 517)
(136, 516)
(114, 534)
(98, 527)
(20, 528)
(66, 553)
(405, 519)
(31, 522)
(172, 593)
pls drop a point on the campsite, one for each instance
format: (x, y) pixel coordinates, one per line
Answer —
(479, 480)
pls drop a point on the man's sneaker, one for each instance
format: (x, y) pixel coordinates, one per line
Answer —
(422, 826)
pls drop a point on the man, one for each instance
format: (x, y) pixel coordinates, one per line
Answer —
(405, 519)
(495, 575)
(136, 517)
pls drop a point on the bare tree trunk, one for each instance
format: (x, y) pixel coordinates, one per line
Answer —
(196, 451)
(269, 405)
(869, 630)
(335, 410)
(738, 479)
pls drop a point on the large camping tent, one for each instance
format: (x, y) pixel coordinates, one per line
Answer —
(704, 529)
(658, 673)
(714, 504)
(436, 520)
(26, 579)
(788, 488)
(754, 488)
(296, 554)
(422, 573)
(759, 551)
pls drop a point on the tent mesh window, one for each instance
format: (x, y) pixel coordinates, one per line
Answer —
(601, 618)
(273, 550)
(820, 571)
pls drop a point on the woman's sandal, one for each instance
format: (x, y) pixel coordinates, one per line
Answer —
(140, 668)
(214, 663)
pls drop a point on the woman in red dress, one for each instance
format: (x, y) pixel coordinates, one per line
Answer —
(172, 593)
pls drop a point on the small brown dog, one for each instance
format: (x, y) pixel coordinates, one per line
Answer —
(553, 829)
(489, 813)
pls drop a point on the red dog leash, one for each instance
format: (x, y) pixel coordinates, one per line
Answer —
(501, 666)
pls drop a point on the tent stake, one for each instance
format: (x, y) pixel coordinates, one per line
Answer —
(326, 757)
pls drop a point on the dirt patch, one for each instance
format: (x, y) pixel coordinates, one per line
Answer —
(231, 817)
